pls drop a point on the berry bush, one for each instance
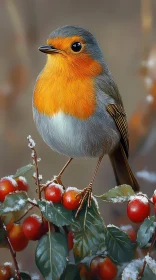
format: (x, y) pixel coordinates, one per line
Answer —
(73, 248)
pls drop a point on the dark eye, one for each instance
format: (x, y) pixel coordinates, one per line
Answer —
(76, 47)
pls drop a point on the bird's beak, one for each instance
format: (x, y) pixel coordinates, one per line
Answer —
(48, 49)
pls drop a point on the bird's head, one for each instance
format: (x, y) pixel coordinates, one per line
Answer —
(73, 49)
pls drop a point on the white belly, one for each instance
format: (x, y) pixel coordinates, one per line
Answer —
(78, 138)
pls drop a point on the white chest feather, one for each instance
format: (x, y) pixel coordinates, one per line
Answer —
(78, 138)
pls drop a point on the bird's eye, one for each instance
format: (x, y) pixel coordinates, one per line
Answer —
(76, 47)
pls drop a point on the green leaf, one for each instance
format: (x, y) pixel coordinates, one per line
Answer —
(56, 213)
(23, 170)
(25, 275)
(14, 202)
(6, 219)
(91, 237)
(148, 274)
(71, 273)
(119, 245)
(51, 255)
(118, 194)
(146, 231)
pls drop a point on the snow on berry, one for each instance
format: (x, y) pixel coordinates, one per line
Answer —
(72, 189)
(12, 181)
(23, 179)
(37, 217)
(57, 186)
(140, 197)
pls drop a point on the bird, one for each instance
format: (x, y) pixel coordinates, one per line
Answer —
(77, 107)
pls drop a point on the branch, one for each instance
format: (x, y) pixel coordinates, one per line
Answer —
(13, 254)
(149, 252)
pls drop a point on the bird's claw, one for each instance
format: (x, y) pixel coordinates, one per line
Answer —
(86, 193)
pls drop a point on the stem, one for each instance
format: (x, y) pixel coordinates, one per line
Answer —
(26, 213)
(63, 169)
(12, 253)
(149, 252)
(37, 173)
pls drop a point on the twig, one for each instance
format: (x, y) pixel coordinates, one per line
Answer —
(149, 252)
(26, 213)
(37, 176)
(12, 253)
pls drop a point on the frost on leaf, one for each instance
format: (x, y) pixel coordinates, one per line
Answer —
(118, 194)
(14, 202)
(131, 271)
(151, 263)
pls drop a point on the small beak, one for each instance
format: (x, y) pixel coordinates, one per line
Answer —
(48, 49)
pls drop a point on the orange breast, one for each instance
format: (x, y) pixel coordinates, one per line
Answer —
(63, 86)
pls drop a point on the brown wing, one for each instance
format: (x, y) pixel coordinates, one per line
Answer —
(119, 116)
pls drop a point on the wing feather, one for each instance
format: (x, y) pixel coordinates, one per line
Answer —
(119, 116)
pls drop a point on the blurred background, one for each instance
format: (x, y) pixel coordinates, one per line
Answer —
(125, 31)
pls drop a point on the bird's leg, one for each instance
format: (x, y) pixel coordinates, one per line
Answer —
(58, 177)
(86, 193)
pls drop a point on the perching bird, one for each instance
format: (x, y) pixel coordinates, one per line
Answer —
(77, 107)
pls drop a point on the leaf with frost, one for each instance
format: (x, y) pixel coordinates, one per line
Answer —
(151, 263)
(146, 231)
(14, 202)
(57, 214)
(131, 271)
(118, 194)
(23, 170)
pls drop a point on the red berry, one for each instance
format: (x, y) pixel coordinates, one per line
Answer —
(95, 266)
(22, 183)
(54, 193)
(107, 269)
(32, 227)
(84, 273)
(155, 208)
(154, 197)
(6, 272)
(138, 209)
(17, 238)
(130, 231)
(45, 228)
(71, 199)
(70, 240)
(7, 185)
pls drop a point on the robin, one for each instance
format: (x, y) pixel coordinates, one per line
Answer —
(77, 106)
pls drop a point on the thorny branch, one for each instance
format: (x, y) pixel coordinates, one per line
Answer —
(13, 254)
(36, 176)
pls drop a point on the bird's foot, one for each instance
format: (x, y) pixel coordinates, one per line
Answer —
(86, 194)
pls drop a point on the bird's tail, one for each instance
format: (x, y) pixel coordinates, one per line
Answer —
(122, 170)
